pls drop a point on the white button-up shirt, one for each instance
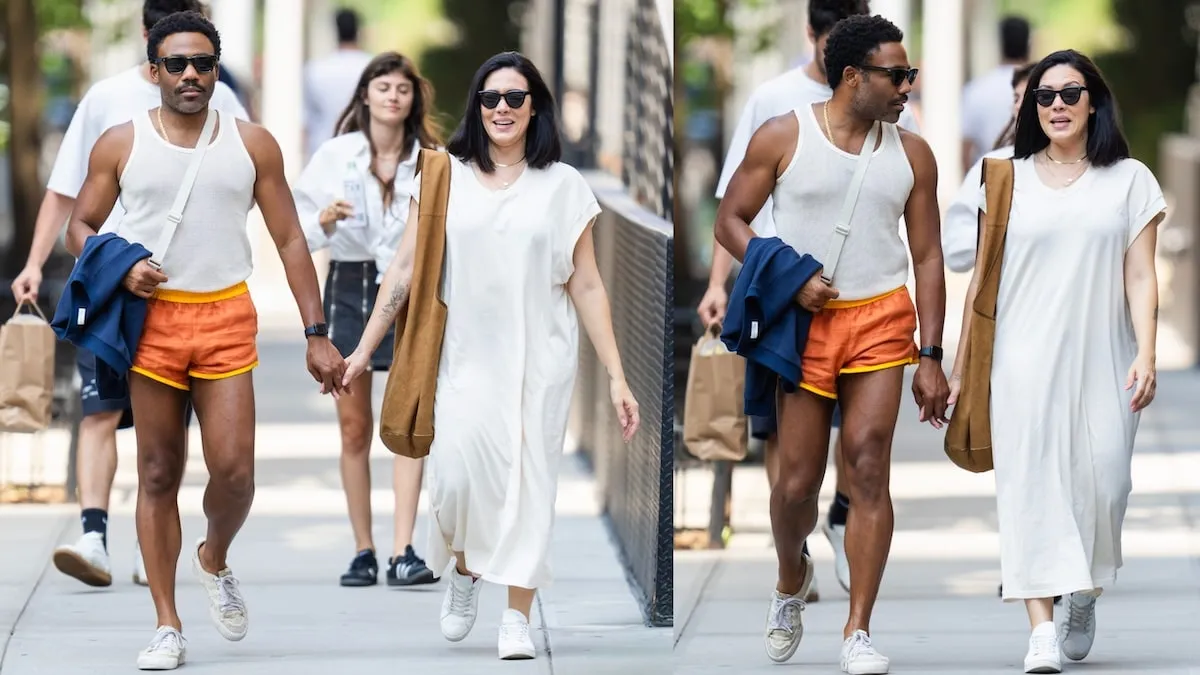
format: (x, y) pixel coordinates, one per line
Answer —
(323, 181)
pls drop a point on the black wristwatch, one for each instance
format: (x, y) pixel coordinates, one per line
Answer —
(931, 352)
(316, 330)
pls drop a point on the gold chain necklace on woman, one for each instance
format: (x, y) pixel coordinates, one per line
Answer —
(1067, 182)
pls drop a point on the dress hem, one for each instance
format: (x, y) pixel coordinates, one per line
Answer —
(1063, 590)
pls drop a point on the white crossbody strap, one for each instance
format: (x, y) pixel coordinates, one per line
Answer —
(842, 229)
(159, 252)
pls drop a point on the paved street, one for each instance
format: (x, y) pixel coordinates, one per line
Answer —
(289, 556)
(938, 611)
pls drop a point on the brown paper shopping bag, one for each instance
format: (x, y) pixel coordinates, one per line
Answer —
(714, 425)
(27, 345)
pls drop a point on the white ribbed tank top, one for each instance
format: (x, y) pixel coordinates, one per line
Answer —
(808, 198)
(211, 248)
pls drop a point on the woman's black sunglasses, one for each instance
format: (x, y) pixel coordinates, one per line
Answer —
(1070, 95)
(897, 75)
(515, 98)
(204, 63)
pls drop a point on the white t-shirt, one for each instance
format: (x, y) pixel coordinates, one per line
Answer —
(779, 95)
(329, 85)
(108, 103)
(960, 228)
(987, 108)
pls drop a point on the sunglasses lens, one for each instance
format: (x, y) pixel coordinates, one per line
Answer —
(204, 64)
(1071, 95)
(175, 64)
(515, 99)
(1044, 98)
(489, 99)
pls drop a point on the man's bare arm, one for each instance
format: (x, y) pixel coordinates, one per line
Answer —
(923, 220)
(101, 187)
(274, 199)
(753, 182)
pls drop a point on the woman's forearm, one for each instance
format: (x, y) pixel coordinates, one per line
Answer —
(594, 314)
(1142, 294)
(964, 335)
(393, 295)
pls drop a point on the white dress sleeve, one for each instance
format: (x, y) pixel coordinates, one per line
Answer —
(1144, 201)
(577, 209)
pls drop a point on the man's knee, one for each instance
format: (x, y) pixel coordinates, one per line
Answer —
(796, 488)
(234, 477)
(160, 472)
(867, 458)
(97, 427)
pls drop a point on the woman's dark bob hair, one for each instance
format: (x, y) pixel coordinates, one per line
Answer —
(1106, 144)
(543, 147)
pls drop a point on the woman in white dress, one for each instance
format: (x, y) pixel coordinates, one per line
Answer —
(1074, 356)
(519, 264)
(370, 160)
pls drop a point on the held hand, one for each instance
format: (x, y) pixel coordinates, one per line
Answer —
(356, 364)
(1142, 374)
(25, 286)
(143, 279)
(712, 305)
(326, 365)
(931, 393)
(626, 407)
(337, 210)
(815, 294)
(955, 389)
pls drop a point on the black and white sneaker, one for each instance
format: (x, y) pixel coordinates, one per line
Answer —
(364, 570)
(408, 570)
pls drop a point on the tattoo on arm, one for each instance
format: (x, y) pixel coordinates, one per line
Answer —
(398, 298)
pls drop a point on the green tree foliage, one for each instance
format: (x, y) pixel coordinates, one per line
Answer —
(1152, 75)
(483, 30)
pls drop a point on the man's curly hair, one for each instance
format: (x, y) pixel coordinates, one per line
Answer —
(181, 22)
(853, 40)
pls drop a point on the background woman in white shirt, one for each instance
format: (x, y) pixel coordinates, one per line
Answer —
(353, 198)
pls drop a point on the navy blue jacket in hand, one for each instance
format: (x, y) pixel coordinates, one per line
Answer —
(765, 324)
(98, 314)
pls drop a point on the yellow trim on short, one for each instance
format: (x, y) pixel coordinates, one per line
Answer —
(172, 295)
(223, 376)
(159, 378)
(846, 304)
(819, 392)
(882, 366)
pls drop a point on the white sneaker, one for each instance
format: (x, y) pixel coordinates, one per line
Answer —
(167, 651)
(86, 560)
(785, 626)
(860, 658)
(460, 605)
(836, 534)
(139, 566)
(1078, 630)
(226, 606)
(515, 642)
(1043, 656)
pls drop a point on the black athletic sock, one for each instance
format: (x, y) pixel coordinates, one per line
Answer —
(839, 509)
(96, 520)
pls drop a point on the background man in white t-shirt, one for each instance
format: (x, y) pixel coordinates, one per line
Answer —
(796, 88)
(986, 99)
(329, 82)
(109, 102)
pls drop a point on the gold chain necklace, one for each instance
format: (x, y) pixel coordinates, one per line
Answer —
(162, 127)
(828, 129)
(1064, 163)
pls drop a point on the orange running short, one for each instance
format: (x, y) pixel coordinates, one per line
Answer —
(209, 336)
(858, 336)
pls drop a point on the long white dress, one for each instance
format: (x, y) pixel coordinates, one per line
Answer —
(1062, 430)
(509, 358)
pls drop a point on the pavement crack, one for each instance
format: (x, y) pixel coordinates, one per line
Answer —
(545, 631)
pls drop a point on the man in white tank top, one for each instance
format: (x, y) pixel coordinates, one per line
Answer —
(199, 337)
(862, 330)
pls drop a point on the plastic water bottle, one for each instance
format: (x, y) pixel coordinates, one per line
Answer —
(356, 195)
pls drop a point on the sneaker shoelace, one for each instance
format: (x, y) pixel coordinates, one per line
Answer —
(229, 597)
(860, 645)
(166, 640)
(786, 614)
(515, 631)
(1079, 616)
(460, 598)
(1043, 643)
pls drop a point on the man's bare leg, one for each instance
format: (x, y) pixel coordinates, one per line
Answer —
(870, 407)
(158, 421)
(95, 465)
(803, 450)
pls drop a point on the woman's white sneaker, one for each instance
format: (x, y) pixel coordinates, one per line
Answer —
(167, 651)
(515, 641)
(460, 605)
(785, 625)
(226, 606)
(1079, 627)
(860, 658)
(1043, 656)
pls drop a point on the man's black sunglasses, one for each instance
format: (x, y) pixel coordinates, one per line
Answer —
(1070, 95)
(204, 63)
(898, 75)
(515, 98)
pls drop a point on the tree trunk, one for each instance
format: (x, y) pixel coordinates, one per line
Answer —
(25, 106)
